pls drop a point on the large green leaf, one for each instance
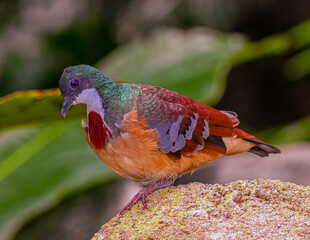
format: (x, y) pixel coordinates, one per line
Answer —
(32, 108)
(42, 167)
(194, 62)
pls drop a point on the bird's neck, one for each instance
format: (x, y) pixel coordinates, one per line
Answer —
(92, 99)
(110, 101)
(115, 102)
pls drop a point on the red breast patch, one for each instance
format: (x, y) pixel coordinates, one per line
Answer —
(97, 130)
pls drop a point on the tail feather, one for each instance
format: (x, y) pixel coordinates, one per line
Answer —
(258, 151)
(261, 148)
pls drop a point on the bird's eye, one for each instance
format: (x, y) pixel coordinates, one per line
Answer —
(74, 83)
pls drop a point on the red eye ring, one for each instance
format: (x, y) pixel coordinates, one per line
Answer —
(74, 83)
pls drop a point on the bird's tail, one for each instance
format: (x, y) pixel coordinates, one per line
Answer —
(261, 148)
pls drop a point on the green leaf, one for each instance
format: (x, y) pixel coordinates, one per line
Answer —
(270, 46)
(298, 65)
(30, 108)
(292, 41)
(194, 62)
(29, 149)
(47, 165)
(294, 132)
(300, 35)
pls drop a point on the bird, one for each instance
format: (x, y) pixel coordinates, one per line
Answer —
(149, 134)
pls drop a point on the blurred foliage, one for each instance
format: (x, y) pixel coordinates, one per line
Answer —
(92, 33)
(56, 50)
(296, 39)
(294, 132)
(32, 108)
(8, 10)
(36, 173)
(298, 65)
(42, 164)
(194, 62)
(269, 46)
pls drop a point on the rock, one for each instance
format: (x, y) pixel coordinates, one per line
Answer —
(258, 209)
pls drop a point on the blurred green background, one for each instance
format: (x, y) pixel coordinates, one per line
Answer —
(251, 57)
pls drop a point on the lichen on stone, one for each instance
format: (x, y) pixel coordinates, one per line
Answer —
(258, 209)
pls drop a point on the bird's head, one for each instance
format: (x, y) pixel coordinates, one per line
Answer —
(80, 84)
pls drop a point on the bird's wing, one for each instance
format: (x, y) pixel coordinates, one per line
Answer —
(184, 125)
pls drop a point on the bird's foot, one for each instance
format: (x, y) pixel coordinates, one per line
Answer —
(142, 194)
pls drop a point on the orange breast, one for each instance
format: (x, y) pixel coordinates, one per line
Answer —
(135, 154)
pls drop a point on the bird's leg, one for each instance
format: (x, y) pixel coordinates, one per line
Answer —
(143, 193)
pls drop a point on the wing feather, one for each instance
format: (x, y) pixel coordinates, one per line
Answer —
(183, 124)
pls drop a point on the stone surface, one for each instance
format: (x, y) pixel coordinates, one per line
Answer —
(258, 209)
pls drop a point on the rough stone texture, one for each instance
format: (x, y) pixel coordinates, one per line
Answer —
(258, 209)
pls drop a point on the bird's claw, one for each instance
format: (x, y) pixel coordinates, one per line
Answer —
(140, 195)
(143, 194)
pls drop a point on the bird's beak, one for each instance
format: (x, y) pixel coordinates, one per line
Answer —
(65, 107)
